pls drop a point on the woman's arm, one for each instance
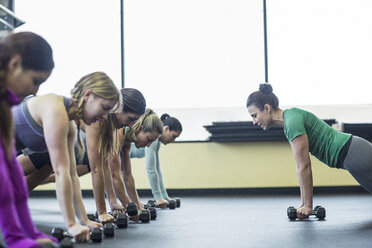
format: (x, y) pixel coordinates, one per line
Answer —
(128, 176)
(96, 165)
(117, 180)
(109, 190)
(56, 128)
(300, 149)
(77, 197)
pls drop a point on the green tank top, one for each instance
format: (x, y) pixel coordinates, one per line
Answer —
(325, 142)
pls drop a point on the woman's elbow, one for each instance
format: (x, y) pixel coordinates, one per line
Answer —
(304, 168)
(150, 171)
(95, 171)
(61, 171)
(115, 175)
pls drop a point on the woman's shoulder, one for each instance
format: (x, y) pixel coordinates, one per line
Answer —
(51, 105)
(293, 113)
(294, 110)
(48, 100)
(299, 117)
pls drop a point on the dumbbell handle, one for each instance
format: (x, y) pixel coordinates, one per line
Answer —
(313, 212)
(68, 235)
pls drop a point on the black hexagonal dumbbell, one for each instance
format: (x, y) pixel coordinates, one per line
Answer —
(131, 209)
(121, 221)
(66, 243)
(92, 217)
(152, 203)
(291, 213)
(318, 211)
(60, 234)
(145, 216)
(63, 237)
(108, 230)
(178, 202)
(96, 235)
(152, 210)
(172, 204)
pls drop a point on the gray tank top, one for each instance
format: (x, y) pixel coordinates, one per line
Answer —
(29, 134)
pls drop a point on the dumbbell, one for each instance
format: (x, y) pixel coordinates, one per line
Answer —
(145, 216)
(318, 211)
(60, 234)
(108, 230)
(152, 210)
(131, 209)
(171, 204)
(152, 203)
(121, 221)
(66, 243)
(63, 237)
(178, 202)
(92, 217)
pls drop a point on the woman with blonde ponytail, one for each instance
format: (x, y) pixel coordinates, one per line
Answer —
(146, 130)
(49, 123)
(99, 141)
(26, 61)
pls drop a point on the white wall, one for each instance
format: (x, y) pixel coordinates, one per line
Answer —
(194, 53)
(200, 59)
(320, 51)
(209, 53)
(84, 35)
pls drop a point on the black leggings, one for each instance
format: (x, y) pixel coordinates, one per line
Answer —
(39, 160)
(358, 162)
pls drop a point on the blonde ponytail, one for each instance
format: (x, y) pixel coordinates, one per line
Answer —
(150, 123)
(101, 86)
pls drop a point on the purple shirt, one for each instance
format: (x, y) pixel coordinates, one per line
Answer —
(12, 98)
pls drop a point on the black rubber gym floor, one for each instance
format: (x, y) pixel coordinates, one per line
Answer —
(235, 221)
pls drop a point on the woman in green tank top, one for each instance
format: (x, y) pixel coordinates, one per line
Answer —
(307, 134)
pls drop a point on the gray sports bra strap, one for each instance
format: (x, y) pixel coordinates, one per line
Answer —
(36, 127)
(67, 103)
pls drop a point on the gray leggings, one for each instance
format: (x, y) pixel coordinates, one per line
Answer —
(358, 162)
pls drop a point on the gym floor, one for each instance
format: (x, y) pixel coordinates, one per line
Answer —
(234, 221)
